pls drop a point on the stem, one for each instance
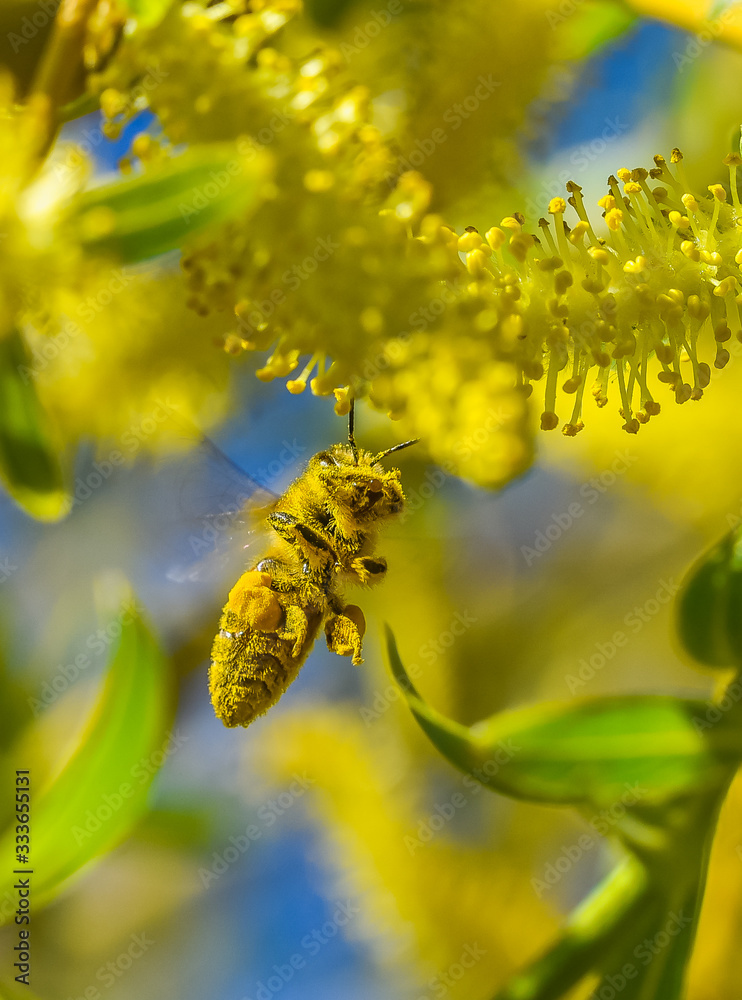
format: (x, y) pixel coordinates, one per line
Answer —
(617, 904)
(632, 903)
(696, 896)
(61, 63)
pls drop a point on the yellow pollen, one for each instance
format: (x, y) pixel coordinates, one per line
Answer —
(678, 220)
(469, 241)
(599, 255)
(717, 190)
(726, 286)
(495, 237)
(579, 231)
(343, 397)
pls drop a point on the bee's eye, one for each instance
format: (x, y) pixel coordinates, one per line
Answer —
(375, 486)
(325, 459)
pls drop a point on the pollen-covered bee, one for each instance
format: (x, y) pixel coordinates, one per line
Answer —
(324, 531)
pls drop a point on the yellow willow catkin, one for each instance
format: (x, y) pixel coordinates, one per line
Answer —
(646, 309)
(636, 310)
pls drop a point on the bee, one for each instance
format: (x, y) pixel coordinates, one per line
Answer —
(323, 533)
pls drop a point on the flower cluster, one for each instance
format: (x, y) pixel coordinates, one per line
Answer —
(480, 323)
(572, 310)
(326, 273)
(350, 273)
(27, 198)
(659, 292)
(87, 325)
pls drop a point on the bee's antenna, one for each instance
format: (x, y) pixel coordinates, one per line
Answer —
(396, 447)
(351, 431)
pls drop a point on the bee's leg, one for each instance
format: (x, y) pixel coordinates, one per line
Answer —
(369, 569)
(281, 575)
(284, 524)
(296, 628)
(344, 632)
(303, 537)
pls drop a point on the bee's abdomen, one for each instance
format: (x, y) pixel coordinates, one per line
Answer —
(250, 670)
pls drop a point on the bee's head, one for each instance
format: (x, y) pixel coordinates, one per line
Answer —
(358, 484)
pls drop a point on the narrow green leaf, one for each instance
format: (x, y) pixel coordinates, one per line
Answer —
(144, 216)
(30, 467)
(102, 791)
(589, 752)
(584, 29)
(709, 608)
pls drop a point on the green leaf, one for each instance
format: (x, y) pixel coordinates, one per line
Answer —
(589, 26)
(709, 608)
(148, 12)
(102, 791)
(30, 467)
(589, 752)
(144, 216)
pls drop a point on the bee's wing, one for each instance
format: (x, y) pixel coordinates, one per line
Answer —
(222, 512)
